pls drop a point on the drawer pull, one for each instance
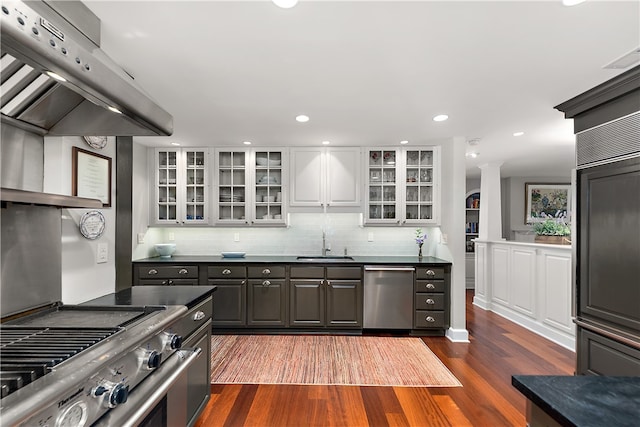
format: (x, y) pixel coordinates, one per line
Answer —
(198, 315)
(226, 271)
(183, 271)
(164, 282)
(431, 273)
(152, 271)
(430, 319)
(430, 301)
(266, 283)
(431, 286)
(170, 282)
(266, 271)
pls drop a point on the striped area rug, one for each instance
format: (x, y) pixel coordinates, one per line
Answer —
(327, 360)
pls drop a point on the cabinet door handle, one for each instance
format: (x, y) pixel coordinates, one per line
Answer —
(266, 271)
(243, 282)
(164, 282)
(152, 271)
(431, 273)
(430, 319)
(226, 271)
(183, 271)
(198, 315)
(328, 282)
(430, 301)
(266, 283)
(431, 286)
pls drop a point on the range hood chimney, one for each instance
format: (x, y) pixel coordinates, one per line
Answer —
(44, 41)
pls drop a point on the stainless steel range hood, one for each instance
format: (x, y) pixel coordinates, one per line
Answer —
(97, 96)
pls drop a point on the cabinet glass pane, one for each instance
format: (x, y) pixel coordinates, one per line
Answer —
(231, 185)
(382, 181)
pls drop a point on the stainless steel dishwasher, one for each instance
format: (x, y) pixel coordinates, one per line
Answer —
(388, 297)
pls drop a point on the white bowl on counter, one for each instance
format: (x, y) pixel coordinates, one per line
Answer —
(165, 250)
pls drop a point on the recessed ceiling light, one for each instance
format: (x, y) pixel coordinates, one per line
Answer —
(518, 133)
(440, 118)
(285, 4)
(247, 142)
(326, 142)
(572, 2)
(473, 154)
(115, 110)
(404, 142)
(175, 143)
(302, 118)
(56, 76)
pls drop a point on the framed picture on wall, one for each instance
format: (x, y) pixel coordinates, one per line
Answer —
(544, 201)
(91, 175)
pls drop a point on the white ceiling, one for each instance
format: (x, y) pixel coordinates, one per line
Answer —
(373, 73)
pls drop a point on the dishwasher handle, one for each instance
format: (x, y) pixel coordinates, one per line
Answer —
(387, 268)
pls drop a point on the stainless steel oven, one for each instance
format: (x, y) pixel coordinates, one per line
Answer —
(104, 366)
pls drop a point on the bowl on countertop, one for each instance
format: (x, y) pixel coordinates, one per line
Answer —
(165, 250)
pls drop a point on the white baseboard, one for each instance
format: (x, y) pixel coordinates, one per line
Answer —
(457, 335)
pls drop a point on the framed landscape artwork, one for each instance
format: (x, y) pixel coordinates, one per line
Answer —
(544, 201)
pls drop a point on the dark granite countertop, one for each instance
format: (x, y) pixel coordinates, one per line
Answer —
(292, 259)
(156, 295)
(584, 401)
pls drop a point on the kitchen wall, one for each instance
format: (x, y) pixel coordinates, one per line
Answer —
(513, 201)
(82, 277)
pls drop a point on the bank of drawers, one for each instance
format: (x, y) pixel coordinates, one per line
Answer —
(430, 301)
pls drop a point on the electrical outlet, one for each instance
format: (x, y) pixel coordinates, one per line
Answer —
(236, 237)
(172, 236)
(102, 253)
(444, 239)
(140, 238)
(370, 237)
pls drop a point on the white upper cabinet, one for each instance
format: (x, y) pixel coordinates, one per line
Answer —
(232, 186)
(250, 187)
(402, 186)
(180, 187)
(325, 177)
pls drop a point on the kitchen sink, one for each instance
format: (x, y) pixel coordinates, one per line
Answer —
(326, 258)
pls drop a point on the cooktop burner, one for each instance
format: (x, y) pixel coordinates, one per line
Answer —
(29, 353)
(31, 345)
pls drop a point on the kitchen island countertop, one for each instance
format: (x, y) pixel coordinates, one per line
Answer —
(189, 296)
(292, 259)
(584, 401)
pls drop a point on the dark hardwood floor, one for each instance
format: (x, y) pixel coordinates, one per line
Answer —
(498, 350)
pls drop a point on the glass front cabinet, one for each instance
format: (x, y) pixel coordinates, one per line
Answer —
(249, 187)
(180, 186)
(402, 186)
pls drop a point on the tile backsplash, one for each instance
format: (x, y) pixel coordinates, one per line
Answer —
(303, 236)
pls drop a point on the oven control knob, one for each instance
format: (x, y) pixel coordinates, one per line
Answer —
(174, 342)
(118, 395)
(99, 391)
(153, 359)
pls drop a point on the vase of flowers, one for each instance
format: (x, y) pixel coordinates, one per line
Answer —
(420, 238)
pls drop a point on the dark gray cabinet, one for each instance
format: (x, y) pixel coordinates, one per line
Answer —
(431, 300)
(325, 296)
(230, 301)
(166, 275)
(267, 296)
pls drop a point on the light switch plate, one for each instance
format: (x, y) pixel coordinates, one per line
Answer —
(370, 237)
(102, 253)
(172, 236)
(236, 237)
(444, 239)
(140, 238)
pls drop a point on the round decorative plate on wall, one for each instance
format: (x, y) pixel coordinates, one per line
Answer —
(92, 225)
(97, 142)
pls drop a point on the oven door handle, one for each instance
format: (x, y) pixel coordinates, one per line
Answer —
(150, 392)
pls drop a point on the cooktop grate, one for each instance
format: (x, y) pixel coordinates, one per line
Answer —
(28, 353)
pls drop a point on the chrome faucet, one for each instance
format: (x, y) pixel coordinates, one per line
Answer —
(324, 245)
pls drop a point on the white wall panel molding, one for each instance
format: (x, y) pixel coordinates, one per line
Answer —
(529, 284)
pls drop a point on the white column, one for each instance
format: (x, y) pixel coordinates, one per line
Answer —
(457, 332)
(490, 227)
